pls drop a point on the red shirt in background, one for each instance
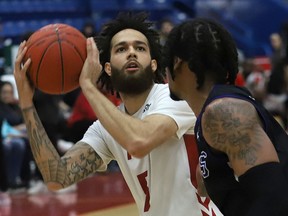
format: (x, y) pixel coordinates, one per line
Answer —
(240, 81)
(83, 111)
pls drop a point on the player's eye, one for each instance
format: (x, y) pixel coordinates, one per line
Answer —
(120, 49)
(141, 48)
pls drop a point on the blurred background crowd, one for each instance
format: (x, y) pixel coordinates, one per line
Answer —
(260, 29)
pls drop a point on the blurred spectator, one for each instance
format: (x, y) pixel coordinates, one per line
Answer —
(278, 49)
(51, 110)
(277, 90)
(13, 133)
(82, 116)
(240, 81)
(256, 80)
(71, 97)
(284, 36)
(165, 26)
(89, 29)
(247, 67)
(5, 199)
(2, 55)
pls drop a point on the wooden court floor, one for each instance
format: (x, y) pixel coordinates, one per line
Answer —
(100, 195)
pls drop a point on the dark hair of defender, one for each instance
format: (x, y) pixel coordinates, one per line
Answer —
(207, 47)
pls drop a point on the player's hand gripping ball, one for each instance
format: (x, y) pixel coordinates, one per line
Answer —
(57, 53)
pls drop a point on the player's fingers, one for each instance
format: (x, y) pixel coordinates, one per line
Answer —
(21, 47)
(94, 49)
(93, 43)
(21, 52)
(96, 53)
(90, 56)
(94, 46)
(89, 46)
(26, 65)
(93, 53)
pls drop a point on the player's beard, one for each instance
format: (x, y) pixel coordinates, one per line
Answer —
(132, 84)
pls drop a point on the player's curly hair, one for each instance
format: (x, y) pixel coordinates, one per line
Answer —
(128, 20)
(207, 47)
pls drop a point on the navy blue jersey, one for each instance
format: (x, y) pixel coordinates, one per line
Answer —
(221, 184)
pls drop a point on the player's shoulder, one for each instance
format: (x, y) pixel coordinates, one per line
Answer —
(159, 92)
(161, 88)
(95, 127)
(227, 107)
(224, 119)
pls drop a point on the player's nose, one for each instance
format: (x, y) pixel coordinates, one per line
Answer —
(132, 52)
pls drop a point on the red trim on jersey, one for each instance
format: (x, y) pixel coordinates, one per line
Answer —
(143, 182)
(192, 153)
(129, 157)
(205, 214)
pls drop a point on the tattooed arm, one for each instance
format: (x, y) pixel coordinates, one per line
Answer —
(80, 161)
(232, 126)
(58, 172)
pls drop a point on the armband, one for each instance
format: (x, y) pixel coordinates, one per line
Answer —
(267, 190)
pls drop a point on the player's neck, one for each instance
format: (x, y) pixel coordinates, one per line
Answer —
(197, 98)
(133, 103)
(196, 104)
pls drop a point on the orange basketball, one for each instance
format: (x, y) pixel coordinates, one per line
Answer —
(57, 53)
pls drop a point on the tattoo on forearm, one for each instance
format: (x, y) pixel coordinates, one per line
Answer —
(83, 165)
(79, 162)
(230, 127)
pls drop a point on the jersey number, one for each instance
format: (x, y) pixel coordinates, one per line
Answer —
(143, 182)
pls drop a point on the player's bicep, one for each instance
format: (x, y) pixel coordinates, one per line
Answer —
(81, 161)
(233, 127)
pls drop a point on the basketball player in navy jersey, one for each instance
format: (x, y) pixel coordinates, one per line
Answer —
(243, 151)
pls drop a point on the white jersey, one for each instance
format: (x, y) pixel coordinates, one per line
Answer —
(162, 181)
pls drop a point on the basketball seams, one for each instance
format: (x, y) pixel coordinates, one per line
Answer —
(75, 48)
(61, 58)
(38, 41)
(41, 59)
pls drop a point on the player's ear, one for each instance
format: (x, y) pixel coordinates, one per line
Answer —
(154, 65)
(108, 68)
(177, 63)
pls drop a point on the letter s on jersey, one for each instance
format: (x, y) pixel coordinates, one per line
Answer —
(203, 166)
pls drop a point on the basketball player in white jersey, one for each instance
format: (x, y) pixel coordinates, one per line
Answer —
(148, 135)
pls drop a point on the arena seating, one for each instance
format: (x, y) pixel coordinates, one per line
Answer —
(20, 16)
(249, 27)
